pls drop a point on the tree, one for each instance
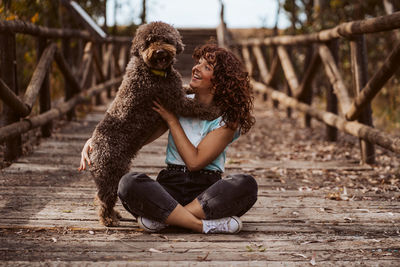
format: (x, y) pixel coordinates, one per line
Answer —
(143, 14)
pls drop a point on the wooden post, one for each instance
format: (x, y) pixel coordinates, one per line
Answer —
(113, 67)
(335, 77)
(274, 73)
(262, 66)
(288, 67)
(8, 72)
(288, 92)
(44, 98)
(290, 81)
(360, 77)
(375, 84)
(247, 60)
(308, 92)
(106, 64)
(331, 101)
(66, 50)
(97, 52)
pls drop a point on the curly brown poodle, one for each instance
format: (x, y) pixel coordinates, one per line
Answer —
(130, 120)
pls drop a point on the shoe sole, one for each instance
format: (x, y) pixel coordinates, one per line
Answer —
(144, 227)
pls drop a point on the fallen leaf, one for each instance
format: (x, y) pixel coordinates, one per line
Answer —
(161, 236)
(300, 255)
(203, 258)
(155, 250)
(348, 219)
(249, 248)
(312, 261)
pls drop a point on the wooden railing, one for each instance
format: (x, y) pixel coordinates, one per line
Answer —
(322, 51)
(99, 67)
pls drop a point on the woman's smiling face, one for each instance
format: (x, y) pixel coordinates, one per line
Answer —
(202, 73)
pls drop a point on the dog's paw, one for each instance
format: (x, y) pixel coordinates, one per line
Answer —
(117, 215)
(109, 221)
(187, 89)
(212, 113)
(109, 217)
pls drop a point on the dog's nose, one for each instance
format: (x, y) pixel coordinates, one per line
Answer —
(161, 52)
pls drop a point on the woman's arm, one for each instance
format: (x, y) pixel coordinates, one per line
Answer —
(196, 158)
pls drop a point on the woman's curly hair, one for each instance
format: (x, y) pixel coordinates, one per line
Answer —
(233, 93)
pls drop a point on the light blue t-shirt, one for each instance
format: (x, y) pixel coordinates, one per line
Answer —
(196, 130)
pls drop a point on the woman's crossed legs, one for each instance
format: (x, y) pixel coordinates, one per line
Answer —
(186, 198)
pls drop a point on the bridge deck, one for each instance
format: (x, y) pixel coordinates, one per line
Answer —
(316, 205)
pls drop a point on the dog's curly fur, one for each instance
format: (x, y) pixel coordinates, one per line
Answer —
(130, 119)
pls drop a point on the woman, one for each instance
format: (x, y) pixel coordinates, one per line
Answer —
(190, 192)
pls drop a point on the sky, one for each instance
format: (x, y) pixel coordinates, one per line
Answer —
(200, 13)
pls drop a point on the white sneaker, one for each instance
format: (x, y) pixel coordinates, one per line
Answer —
(149, 225)
(227, 225)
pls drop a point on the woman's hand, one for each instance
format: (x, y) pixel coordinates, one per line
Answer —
(85, 154)
(167, 115)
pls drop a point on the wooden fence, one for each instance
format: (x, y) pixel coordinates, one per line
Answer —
(95, 65)
(264, 58)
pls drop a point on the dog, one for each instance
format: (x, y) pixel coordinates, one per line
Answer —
(130, 119)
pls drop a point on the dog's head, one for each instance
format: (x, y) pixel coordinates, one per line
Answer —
(157, 43)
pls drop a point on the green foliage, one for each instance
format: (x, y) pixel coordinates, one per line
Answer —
(44, 12)
(48, 13)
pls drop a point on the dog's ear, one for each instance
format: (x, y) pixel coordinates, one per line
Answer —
(138, 41)
(136, 45)
(179, 46)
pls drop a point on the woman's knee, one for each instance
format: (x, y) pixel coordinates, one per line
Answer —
(246, 183)
(131, 183)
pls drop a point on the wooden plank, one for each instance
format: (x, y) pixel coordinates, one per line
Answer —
(201, 263)
(87, 211)
(47, 208)
(182, 251)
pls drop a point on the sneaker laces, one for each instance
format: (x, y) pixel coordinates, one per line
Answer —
(215, 226)
(222, 225)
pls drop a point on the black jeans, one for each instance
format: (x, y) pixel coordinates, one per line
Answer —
(231, 196)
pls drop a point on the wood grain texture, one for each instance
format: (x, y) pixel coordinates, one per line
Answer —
(48, 216)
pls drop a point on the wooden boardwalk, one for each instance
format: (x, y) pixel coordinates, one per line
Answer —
(303, 216)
